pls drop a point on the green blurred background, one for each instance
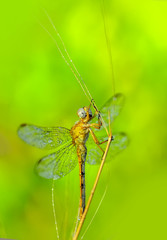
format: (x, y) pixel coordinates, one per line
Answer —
(36, 86)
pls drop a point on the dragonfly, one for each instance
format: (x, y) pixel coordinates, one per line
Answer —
(72, 146)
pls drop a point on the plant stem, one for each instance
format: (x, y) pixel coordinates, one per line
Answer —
(93, 189)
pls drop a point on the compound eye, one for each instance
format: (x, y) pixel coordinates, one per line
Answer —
(90, 113)
(81, 113)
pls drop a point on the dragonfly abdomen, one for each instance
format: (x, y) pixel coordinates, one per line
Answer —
(81, 152)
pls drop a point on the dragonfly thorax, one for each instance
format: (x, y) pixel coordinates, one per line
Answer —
(79, 133)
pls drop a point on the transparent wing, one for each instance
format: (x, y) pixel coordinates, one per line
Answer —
(118, 144)
(58, 164)
(43, 137)
(112, 107)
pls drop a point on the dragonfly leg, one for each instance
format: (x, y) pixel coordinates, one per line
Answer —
(96, 140)
(97, 112)
(96, 125)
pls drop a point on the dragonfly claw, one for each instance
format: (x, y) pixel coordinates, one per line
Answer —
(98, 114)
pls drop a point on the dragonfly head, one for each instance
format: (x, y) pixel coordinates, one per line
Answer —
(82, 112)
